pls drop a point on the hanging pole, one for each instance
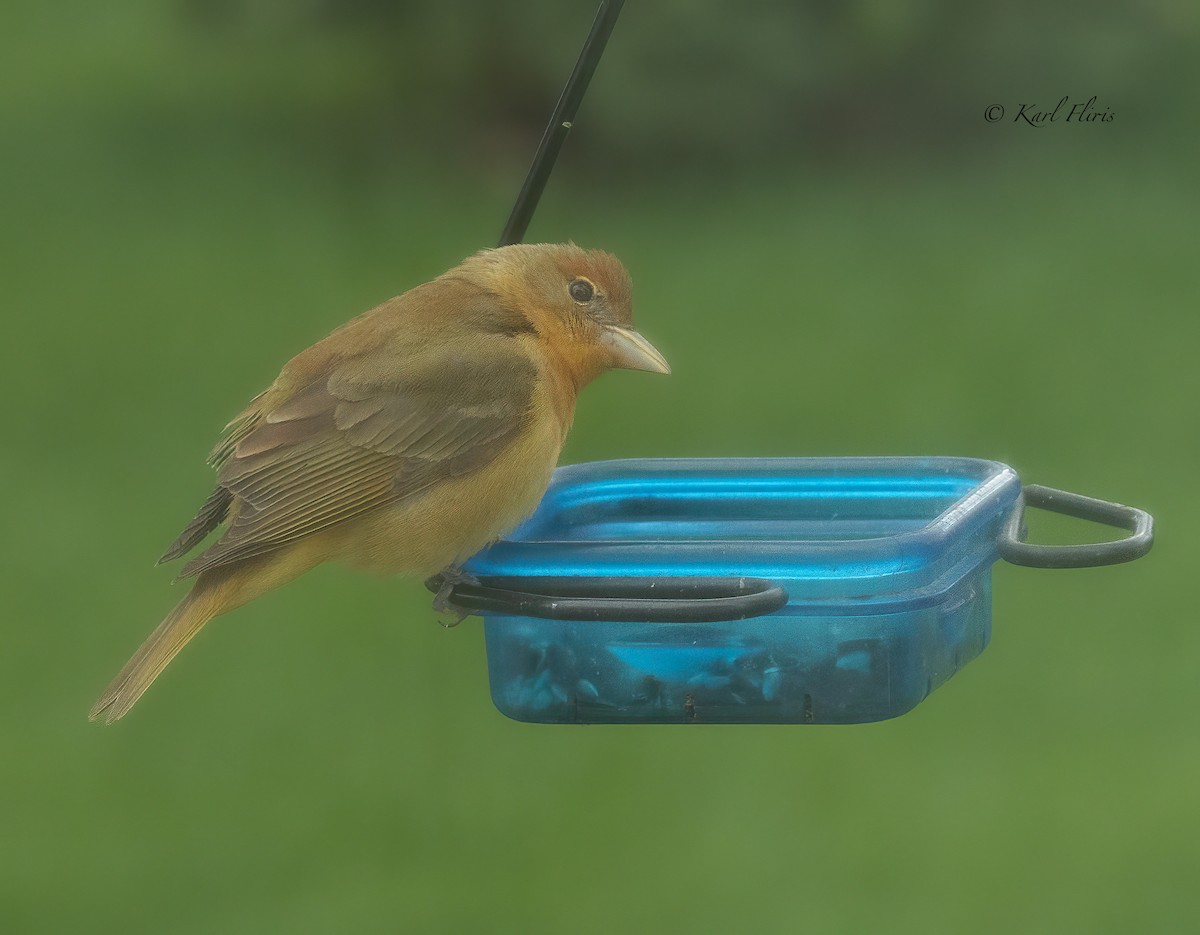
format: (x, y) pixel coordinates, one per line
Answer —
(560, 123)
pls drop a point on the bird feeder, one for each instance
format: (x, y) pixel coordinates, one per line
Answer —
(751, 590)
(758, 590)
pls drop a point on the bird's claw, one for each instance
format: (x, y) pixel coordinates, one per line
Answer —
(451, 614)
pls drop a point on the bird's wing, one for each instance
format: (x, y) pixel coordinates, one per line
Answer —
(354, 439)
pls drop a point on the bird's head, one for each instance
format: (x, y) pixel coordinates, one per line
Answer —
(579, 302)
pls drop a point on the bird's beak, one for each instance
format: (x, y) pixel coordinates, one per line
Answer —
(631, 351)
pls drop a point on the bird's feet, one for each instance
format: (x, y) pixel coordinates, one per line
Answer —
(449, 613)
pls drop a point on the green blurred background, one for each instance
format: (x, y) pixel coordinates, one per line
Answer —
(838, 254)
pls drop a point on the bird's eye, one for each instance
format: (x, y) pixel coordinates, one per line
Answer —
(581, 290)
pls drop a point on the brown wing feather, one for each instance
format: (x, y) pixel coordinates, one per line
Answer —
(210, 516)
(347, 443)
(240, 426)
(214, 510)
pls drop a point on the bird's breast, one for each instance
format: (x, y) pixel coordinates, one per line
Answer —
(457, 517)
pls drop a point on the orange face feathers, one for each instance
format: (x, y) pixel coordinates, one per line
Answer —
(580, 302)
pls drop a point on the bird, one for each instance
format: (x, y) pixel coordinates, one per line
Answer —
(406, 440)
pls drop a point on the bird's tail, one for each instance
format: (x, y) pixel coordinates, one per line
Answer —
(169, 637)
(216, 591)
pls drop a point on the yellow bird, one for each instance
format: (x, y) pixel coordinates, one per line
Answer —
(406, 440)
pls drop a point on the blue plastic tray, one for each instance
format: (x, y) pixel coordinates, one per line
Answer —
(822, 590)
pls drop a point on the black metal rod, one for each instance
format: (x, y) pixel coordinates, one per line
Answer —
(560, 123)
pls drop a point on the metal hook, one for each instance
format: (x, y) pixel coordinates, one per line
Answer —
(1014, 549)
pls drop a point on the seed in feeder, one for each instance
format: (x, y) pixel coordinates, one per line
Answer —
(772, 679)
